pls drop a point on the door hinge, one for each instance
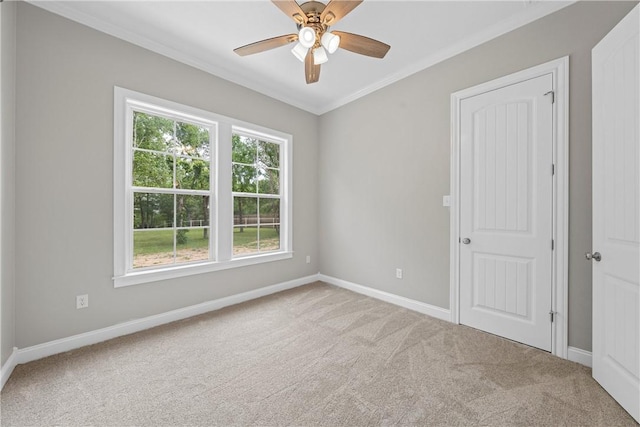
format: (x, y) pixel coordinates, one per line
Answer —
(552, 315)
(553, 96)
(553, 244)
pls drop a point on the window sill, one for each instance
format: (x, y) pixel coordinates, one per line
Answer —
(173, 272)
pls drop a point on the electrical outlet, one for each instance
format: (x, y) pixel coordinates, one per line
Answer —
(82, 301)
(398, 273)
(308, 259)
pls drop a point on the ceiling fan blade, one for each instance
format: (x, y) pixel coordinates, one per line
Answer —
(337, 9)
(292, 10)
(311, 70)
(362, 45)
(267, 44)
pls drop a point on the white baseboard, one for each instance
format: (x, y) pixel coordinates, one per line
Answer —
(50, 348)
(420, 307)
(8, 367)
(39, 351)
(580, 356)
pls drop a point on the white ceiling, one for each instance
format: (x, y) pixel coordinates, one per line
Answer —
(204, 33)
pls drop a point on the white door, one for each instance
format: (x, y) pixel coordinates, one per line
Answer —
(616, 214)
(506, 194)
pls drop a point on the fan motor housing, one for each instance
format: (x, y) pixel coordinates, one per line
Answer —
(313, 9)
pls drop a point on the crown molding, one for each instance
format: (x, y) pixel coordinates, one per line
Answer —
(535, 10)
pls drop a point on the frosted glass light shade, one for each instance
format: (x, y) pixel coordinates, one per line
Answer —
(320, 56)
(331, 42)
(299, 51)
(307, 37)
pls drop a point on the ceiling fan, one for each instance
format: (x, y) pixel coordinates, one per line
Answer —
(313, 20)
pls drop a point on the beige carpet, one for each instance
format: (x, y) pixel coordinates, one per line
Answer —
(315, 355)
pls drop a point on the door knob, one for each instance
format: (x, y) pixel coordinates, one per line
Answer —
(595, 256)
(466, 240)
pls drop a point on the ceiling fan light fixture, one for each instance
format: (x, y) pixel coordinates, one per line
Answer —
(307, 37)
(320, 56)
(299, 51)
(313, 42)
(331, 42)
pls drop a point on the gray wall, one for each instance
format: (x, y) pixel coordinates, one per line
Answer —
(64, 175)
(7, 147)
(384, 164)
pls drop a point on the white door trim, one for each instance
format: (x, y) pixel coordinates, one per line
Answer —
(559, 69)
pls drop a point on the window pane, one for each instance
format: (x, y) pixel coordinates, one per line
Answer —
(269, 181)
(244, 179)
(152, 170)
(269, 224)
(192, 174)
(192, 211)
(191, 140)
(152, 248)
(269, 238)
(245, 211)
(245, 219)
(269, 211)
(152, 132)
(244, 149)
(192, 245)
(269, 154)
(245, 240)
(152, 210)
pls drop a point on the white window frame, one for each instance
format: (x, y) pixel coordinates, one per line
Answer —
(221, 198)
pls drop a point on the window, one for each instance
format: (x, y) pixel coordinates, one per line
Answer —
(171, 189)
(195, 191)
(256, 195)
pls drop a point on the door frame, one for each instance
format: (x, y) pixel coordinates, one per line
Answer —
(559, 69)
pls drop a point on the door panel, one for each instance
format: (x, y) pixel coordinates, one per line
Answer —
(501, 170)
(616, 213)
(506, 192)
(501, 285)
